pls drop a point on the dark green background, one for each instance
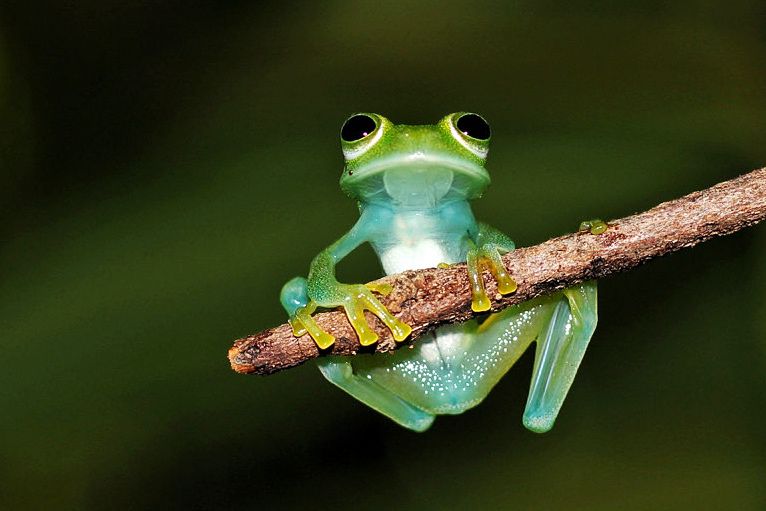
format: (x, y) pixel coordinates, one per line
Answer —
(164, 168)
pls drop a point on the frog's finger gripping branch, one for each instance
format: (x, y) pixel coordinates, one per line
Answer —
(486, 257)
(485, 254)
(359, 298)
(299, 307)
(301, 297)
(302, 322)
(434, 296)
(355, 299)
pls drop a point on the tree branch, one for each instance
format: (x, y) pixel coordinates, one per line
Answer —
(427, 298)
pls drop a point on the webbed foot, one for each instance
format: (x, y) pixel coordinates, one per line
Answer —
(486, 256)
(355, 299)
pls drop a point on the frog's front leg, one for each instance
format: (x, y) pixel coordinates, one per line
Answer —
(295, 300)
(301, 297)
(560, 349)
(485, 251)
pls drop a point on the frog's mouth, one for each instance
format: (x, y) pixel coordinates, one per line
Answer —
(417, 180)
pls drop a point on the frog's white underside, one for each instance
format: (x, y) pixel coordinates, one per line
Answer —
(416, 241)
(445, 346)
(413, 256)
(446, 343)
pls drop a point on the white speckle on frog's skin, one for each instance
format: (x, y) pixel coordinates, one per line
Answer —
(539, 423)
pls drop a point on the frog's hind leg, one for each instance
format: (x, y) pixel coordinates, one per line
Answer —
(503, 338)
(365, 389)
(560, 349)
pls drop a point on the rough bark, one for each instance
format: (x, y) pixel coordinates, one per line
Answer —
(427, 298)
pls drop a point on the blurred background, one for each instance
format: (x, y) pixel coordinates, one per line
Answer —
(166, 167)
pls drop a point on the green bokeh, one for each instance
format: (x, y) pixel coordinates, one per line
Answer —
(166, 168)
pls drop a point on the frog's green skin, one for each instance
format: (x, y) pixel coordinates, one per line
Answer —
(413, 184)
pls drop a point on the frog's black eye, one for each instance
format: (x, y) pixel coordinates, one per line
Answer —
(473, 126)
(357, 127)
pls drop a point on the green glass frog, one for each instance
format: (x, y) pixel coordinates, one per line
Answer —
(413, 185)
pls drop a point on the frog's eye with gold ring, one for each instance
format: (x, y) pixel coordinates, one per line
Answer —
(474, 126)
(357, 127)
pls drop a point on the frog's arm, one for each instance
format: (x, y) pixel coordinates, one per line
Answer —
(484, 250)
(301, 297)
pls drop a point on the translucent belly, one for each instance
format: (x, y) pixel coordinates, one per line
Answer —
(435, 374)
(432, 375)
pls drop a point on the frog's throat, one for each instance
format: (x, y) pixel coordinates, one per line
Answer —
(417, 177)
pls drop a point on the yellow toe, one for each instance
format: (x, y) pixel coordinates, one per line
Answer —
(324, 340)
(297, 326)
(367, 338)
(400, 331)
(506, 286)
(480, 303)
(382, 288)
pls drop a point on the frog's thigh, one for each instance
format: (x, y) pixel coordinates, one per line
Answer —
(503, 338)
(560, 348)
(365, 389)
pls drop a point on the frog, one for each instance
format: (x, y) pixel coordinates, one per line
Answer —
(413, 185)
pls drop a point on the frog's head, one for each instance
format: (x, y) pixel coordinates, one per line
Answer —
(415, 166)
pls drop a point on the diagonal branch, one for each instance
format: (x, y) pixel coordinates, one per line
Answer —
(427, 298)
